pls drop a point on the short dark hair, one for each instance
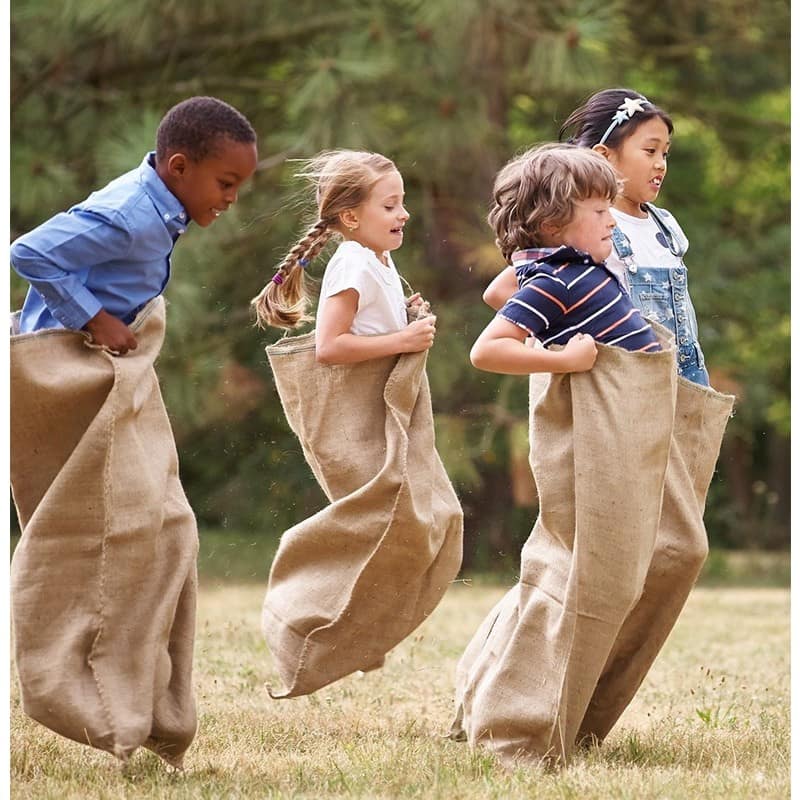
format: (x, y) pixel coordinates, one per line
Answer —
(591, 120)
(197, 126)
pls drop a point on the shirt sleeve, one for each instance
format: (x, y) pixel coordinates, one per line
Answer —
(535, 307)
(350, 271)
(56, 257)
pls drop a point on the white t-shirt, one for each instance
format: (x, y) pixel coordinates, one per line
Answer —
(381, 303)
(648, 242)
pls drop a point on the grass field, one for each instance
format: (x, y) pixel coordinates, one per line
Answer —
(710, 721)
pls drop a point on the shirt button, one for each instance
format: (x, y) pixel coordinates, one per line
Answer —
(182, 215)
(181, 230)
(166, 216)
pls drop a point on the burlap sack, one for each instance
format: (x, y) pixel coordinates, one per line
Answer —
(353, 580)
(622, 456)
(103, 581)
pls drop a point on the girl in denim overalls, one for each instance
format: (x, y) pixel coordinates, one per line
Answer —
(634, 135)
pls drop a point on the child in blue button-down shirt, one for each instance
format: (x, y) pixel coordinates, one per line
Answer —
(104, 576)
(95, 266)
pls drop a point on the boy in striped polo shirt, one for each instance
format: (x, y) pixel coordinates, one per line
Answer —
(552, 220)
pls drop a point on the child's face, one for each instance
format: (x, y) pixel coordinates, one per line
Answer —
(380, 219)
(642, 161)
(208, 187)
(589, 229)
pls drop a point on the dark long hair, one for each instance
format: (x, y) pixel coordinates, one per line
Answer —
(590, 121)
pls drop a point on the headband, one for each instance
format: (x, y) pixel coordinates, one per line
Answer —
(629, 106)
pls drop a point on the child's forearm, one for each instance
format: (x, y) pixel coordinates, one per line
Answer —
(511, 357)
(68, 300)
(349, 348)
(51, 257)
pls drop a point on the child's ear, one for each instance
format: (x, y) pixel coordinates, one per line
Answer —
(602, 149)
(550, 229)
(349, 219)
(176, 165)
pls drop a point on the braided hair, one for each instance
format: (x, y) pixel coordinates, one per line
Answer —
(343, 180)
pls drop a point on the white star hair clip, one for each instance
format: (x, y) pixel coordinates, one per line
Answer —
(628, 107)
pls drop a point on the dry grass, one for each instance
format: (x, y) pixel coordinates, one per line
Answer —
(711, 720)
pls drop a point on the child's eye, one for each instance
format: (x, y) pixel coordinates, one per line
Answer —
(225, 184)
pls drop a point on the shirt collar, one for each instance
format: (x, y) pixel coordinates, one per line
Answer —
(550, 255)
(171, 210)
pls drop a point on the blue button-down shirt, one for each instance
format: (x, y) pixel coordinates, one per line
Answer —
(112, 252)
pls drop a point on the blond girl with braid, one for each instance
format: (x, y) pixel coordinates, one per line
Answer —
(351, 581)
(362, 310)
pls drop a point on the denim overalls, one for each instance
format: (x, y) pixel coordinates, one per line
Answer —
(661, 294)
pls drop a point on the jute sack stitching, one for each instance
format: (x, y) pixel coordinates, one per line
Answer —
(607, 482)
(350, 582)
(103, 580)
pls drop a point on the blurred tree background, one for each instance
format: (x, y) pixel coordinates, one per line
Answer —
(450, 90)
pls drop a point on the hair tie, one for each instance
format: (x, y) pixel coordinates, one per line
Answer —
(277, 278)
(302, 262)
(628, 107)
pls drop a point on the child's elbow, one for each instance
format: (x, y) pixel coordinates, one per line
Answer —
(19, 253)
(477, 356)
(326, 352)
(491, 298)
(322, 354)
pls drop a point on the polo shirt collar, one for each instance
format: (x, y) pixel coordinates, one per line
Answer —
(550, 255)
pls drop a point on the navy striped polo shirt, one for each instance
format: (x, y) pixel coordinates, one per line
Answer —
(562, 292)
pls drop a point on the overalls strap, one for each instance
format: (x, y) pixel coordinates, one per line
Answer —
(661, 219)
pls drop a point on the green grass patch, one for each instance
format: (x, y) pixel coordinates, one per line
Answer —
(233, 556)
(710, 721)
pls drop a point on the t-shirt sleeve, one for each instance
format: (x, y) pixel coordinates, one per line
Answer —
(537, 305)
(350, 271)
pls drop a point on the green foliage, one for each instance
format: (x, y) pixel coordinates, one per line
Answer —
(450, 90)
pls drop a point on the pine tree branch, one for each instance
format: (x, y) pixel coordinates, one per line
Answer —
(180, 50)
